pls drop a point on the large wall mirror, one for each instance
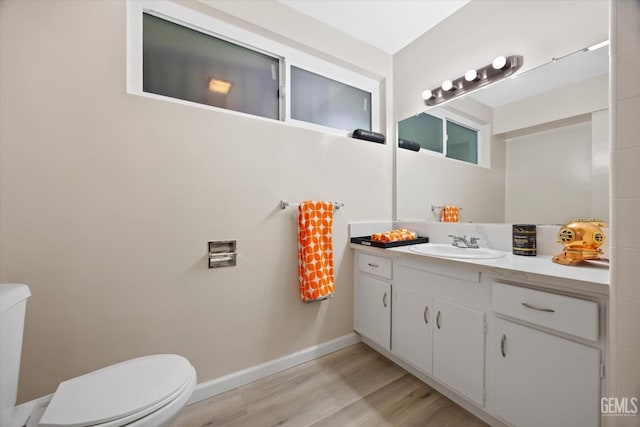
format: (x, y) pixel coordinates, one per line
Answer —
(541, 155)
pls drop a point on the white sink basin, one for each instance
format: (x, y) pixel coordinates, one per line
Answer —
(449, 251)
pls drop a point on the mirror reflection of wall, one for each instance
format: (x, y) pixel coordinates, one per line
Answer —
(553, 175)
(443, 132)
(547, 132)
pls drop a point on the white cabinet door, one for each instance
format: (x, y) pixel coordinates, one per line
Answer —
(411, 325)
(545, 380)
(458, 349)
(374, 310)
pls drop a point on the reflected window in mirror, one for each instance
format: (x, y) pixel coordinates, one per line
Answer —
(444, 133)
(462, 143)
(548, 132)
(425, 129)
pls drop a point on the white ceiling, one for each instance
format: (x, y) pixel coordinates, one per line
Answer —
(388, 25)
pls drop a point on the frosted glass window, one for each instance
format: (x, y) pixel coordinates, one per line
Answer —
(443, 136)
(323, 101)
(186, 64)
(425, 129)
(180, 55)
(462, 143)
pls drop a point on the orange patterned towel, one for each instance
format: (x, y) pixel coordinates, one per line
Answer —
(450, 214)
(315, 250)
(394, 235)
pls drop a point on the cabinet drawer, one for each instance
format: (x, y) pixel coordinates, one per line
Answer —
(566, 314)
(375, 265)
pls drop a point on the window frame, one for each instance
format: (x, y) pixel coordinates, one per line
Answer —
(475, 129)
(218, 28)
(323, 71)
(482, 131)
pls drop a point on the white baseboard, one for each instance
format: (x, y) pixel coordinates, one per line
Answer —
(211, 388)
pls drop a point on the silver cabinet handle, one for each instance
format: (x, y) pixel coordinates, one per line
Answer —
(426, 314)
(373, 265)
(502, 342)
(384, 299)
(438, 319)
(533, 307)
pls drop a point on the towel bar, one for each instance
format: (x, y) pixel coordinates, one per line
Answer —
(284, 204)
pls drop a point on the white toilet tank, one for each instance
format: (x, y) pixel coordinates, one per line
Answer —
(13, 302)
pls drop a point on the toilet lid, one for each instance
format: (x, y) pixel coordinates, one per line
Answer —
(117, 391)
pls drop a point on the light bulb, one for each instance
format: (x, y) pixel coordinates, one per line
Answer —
(447, 85)
(499, 63)
(219, 86)
(471, 75)
(427, 94)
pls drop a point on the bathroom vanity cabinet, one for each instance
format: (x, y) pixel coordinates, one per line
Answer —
(412, 321)
(546, 378)
(436, 328)
(374, 310)
(373, 299)
(511, 350)
(458, 349)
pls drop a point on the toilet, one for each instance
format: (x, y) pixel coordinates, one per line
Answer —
(147, 391)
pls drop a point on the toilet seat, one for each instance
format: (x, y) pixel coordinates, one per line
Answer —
(119, 394)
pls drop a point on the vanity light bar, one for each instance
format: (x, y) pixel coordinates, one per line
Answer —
(500, 68)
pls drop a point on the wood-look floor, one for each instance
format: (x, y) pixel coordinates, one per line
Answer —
(352, 387)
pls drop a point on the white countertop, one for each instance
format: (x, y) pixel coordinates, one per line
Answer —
(587, 276)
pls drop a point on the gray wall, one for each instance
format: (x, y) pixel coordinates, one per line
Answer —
(109, 199)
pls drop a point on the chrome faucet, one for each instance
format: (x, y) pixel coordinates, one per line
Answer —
(462, 242)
